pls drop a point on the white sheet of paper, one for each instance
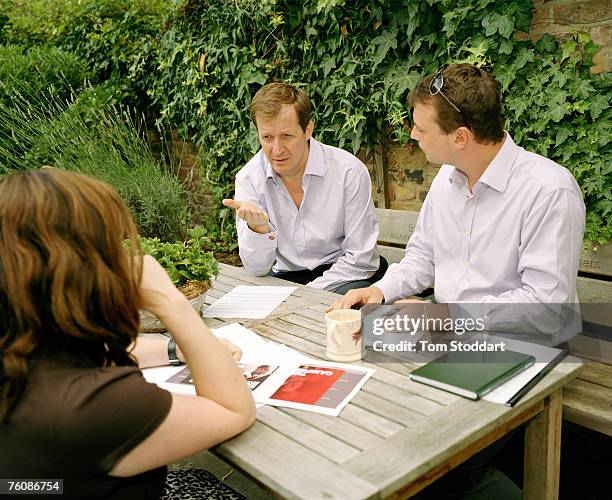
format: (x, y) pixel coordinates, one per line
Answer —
(252, 302)
(543, 355)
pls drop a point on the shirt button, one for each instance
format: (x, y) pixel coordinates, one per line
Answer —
(271, 238)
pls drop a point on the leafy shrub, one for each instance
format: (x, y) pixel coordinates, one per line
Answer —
(28, 79)
(557, 108)
(39, 71)
(357, 59)
(115, 37)
(108, 147)
(186, 260)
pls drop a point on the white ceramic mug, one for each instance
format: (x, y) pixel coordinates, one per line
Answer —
(343, 335)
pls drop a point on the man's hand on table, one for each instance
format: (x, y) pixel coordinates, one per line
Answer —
(256, 218)
(358, 296)
(426, 309)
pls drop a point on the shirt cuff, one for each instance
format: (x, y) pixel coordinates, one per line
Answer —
(391, 289)
(259, 240)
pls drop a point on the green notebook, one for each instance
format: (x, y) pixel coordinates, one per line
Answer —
(472, 374)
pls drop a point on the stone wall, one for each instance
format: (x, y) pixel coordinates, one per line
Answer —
(409, 175)
(559, 17)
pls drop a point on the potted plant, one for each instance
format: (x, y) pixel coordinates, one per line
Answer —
(189, 266)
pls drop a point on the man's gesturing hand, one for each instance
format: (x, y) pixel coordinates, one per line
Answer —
(358, 296)
(256, 218)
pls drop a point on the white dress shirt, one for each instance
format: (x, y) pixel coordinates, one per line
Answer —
(515, 239)
(335, 222)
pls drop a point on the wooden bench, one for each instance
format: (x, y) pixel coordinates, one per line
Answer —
(587, 401)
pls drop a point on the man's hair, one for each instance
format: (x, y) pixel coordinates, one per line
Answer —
(69, 285)
(270, 98)
(475, 92)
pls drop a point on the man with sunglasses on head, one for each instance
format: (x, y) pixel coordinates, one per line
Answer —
(500, 224)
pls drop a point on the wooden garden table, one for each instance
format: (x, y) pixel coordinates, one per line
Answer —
(396, 436)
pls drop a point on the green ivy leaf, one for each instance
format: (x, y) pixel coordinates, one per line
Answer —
(523, 57)
(519, 106)
(386, 41)
(562, 135)
(505, 75)
(557, 111)
(505, 26)
(328, 64)
(505, 47)
(497, 23)
(401, 77)
(568, 47)
(599, 103)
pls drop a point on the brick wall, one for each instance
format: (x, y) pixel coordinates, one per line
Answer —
(409, 174)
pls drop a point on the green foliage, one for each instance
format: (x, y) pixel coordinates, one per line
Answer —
(555, 107)
(114, 37)
(39, 71)
(103, 143)
(186, 260)
(201, 64)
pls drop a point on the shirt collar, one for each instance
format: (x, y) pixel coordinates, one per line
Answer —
(315, 164)
(496, 175)
(316, 161)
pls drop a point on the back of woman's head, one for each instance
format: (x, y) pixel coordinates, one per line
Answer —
(67, 282)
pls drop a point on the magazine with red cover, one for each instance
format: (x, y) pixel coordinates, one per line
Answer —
(324, 388)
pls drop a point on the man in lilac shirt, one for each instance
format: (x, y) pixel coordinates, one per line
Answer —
(500, 224)
(304, 210)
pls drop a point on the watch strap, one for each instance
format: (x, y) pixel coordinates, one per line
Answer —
(172, 356)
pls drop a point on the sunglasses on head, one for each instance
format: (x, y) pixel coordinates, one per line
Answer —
(435, 88)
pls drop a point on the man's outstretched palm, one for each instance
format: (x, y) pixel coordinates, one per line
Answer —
(256, 218)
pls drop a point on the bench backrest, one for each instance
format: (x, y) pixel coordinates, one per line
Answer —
(396, 227)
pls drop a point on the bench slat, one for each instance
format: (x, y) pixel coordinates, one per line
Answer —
(599, 262)
(598, 374)
(588, 405)
(392, 254)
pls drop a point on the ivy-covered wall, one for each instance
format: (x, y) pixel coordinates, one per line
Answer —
(409, 174)
(358, 60)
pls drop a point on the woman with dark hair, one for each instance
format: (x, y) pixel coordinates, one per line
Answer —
(73, 402)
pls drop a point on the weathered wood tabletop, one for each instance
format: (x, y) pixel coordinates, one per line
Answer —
(396, 436)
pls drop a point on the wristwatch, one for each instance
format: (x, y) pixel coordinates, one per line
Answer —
(172, 356)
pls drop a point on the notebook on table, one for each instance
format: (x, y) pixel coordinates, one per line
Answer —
(472, 374)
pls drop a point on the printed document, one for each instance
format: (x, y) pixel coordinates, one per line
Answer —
(252, 302)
